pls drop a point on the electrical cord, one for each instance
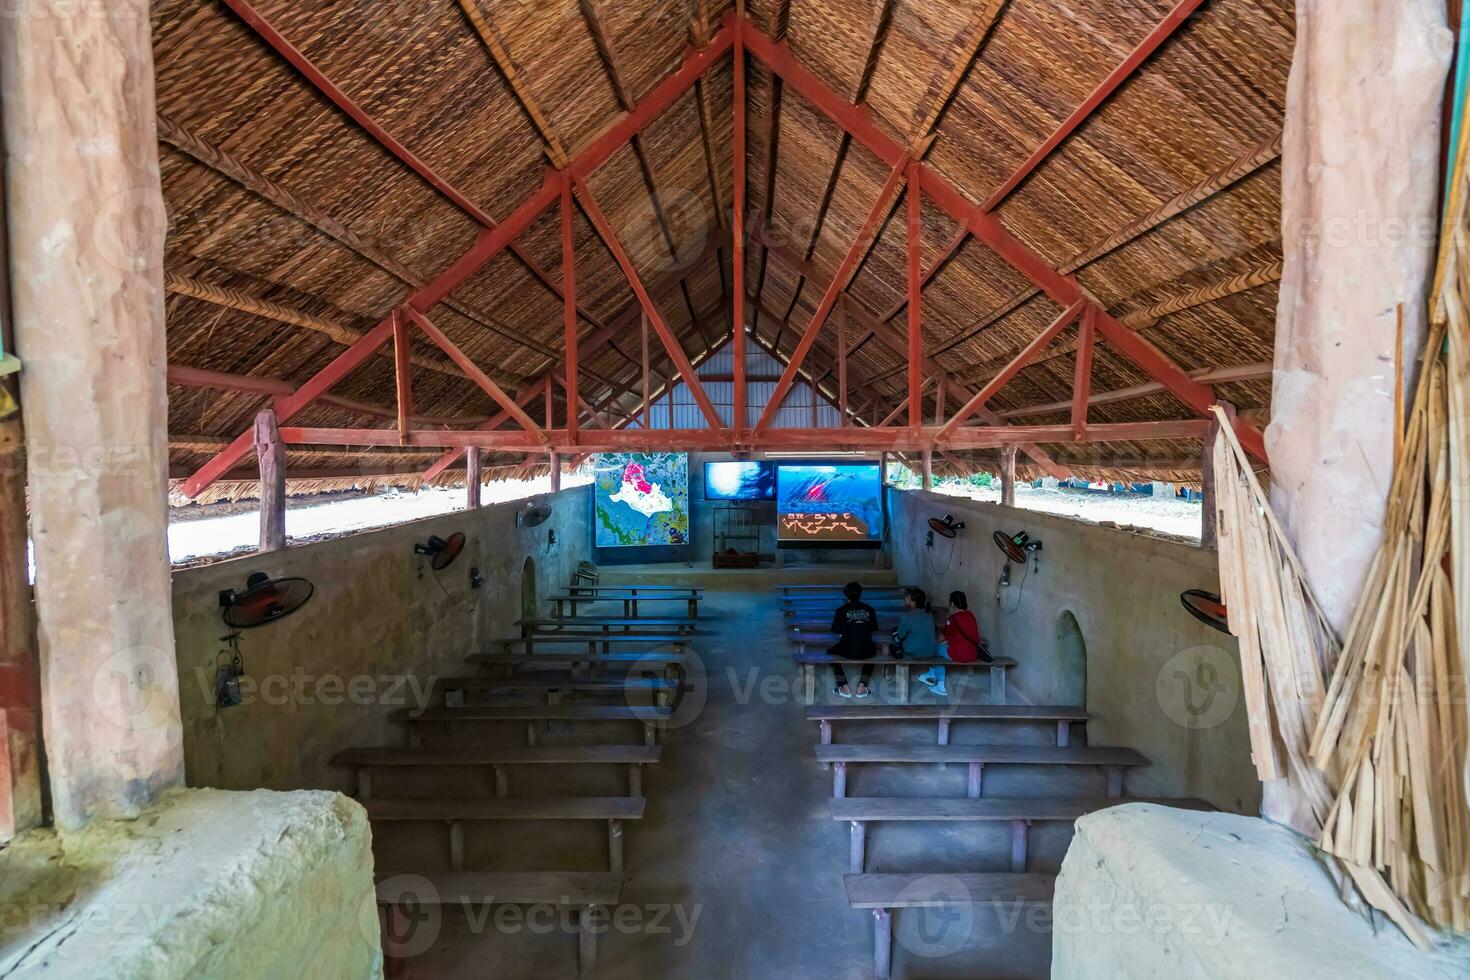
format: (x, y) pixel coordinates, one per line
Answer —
(1020, 592)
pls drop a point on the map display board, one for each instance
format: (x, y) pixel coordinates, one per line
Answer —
(641, 499)
(823, 504)
(738, 480)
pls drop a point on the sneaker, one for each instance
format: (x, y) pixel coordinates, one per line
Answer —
(939, 689)
(927, 680)
(842, 693)
(864, 692)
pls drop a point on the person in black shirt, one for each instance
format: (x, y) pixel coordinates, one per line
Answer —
(854, 622)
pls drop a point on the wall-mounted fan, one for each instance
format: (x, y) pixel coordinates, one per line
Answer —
(441, 552)
(263, 601)
(1017, 547)
(1207, 608)
(533, 515)
(946, 526)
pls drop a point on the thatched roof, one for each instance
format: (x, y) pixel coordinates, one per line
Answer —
(293, 230)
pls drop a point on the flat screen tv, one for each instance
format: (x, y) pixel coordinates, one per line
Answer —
(641, 499)
(829, 504)
(736, 480)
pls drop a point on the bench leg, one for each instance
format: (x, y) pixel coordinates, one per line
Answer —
(364, 784)
(502, 783)
(824, 735)
(839, 780)
(809, 673)
(415, 736)
(976, 784)
(586, 943)
(615, 846)
(635, 780)
(901, 671)
(1019, 835)
(857, 847)
(1115, 781)
(998, 684)
(943, 731)
(456, 845)
(532, 736)
(693, 608)
(1064, 733)
(650, 734)
(882, 943)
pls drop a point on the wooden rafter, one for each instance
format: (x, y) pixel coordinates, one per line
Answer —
(476, 375)
(1226, 375)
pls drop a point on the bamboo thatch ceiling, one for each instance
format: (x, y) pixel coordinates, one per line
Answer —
(293, 228)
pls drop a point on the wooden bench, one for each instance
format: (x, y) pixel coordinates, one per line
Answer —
(629, 596)
(401, 893)
(809, 660)
(1020, 813)
(590, 640)
(365, 760)
(807, 627)
(836, 589)
(977, 757)
(885, 892)
(812, 607)
(944, 714)
(455, 811)
(602, 625)
(652, 719)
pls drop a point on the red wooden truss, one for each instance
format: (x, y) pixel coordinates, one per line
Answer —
(568, 184)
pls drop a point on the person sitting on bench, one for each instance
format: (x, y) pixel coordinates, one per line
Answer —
(854, 622)
(915, 634)
(962, 643)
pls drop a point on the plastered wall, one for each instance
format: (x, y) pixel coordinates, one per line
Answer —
(379, 628)
(1156, 679)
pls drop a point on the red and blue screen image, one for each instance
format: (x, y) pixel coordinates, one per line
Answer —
(821, 503)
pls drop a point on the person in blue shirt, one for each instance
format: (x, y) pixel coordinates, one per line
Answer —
(916, 631)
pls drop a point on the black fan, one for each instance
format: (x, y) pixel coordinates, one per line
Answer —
(1016, 546)
(264, 601)
(946, 526)
(533, 516)
(1207, 608)
(441, 551)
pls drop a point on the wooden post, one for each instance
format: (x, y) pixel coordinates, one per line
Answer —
(87, 226)
(842, 360)
(402, 376)
(928, 469)
(270, 451)
(555, 472)
(569, 306)
(915, 243)
(647, 409)
(1209, 519)
(1008, 476)
(739, 411)
(20, 694)
(474, 477)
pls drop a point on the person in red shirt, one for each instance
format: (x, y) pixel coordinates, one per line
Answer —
(962, 643)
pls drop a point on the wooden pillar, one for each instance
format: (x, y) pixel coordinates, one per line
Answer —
(737, 287)
(556, 472)
(1209, 526)
(474, 477)
(87, 225)
(928, 469)
(270, 452)
(1008, 476)
(842, 360)
(647, 405)
(883, 469)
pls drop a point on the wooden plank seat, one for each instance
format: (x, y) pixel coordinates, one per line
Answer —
(811, 653)
(364, 760)
(599, 625)
(1064, 717)
(836, 589)
(882, 893)
(977, 757)
(401, 894)
(455, 811)
(650, 589)
(651, 718)
(630, 597)
(552, 681)
(804, 625)
(589, 641)
(1019, 812)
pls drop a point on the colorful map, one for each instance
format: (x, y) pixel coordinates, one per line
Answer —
(641, 499)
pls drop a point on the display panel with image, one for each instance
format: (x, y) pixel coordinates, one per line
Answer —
(829, 503)
(641, 499)
(739, 480)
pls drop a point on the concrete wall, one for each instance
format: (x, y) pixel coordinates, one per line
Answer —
(1156, 679)
(379, 628)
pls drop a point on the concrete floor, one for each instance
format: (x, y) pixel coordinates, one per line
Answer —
(738, 840)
